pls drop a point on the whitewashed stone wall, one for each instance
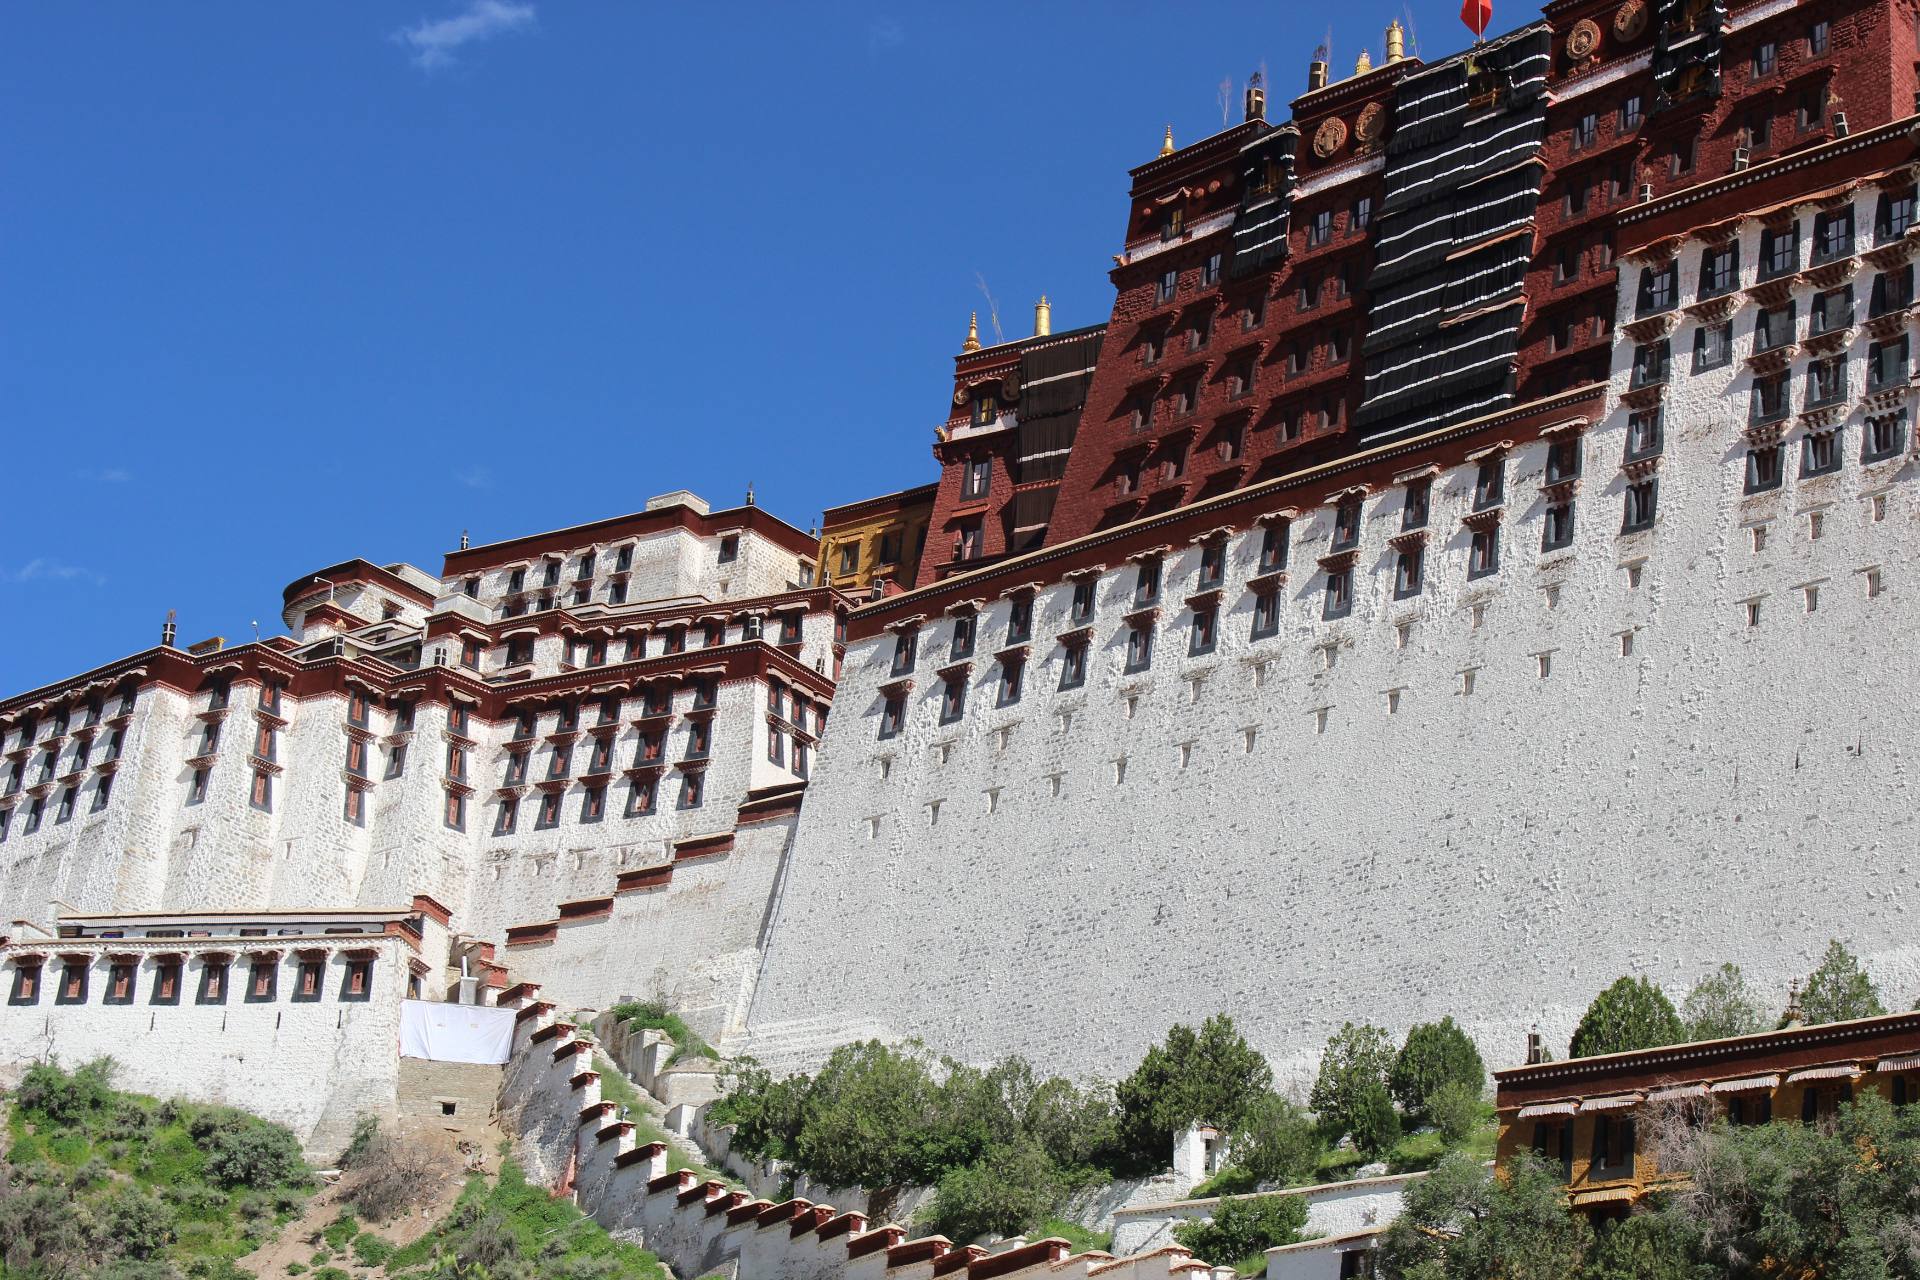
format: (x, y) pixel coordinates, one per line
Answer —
(1585, 765)
(314, 1067)
(692, 943)
(1333, 1209)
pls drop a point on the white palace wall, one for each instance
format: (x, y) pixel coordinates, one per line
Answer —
(1585, 765)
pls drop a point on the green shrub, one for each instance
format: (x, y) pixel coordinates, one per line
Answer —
(1454, 1109)
(687, 1043)
(340, 1232)
(1277, 1142)
(331, 1273)
(246, 1151)
(47, 1093)
(370, 1250)
(366, 1130)
(1435, 1053)
(1355, 1058)
(132, 1223)
(1210, 1076)
(1242, 1228)
(1839, 989)
(1721, 1005)
(1009, 1189)
(296, 1268)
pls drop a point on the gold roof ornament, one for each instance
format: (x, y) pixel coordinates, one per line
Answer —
(1166, 148)
(1362, 64)
(1042, 317)
(973, 333)
(1396, 41)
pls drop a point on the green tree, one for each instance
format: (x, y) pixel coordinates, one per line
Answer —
(1630, 1014)
(1661, 1245)
(1009, 1190)
(1355, 1057)
(1376, 1125)
(246, 1151)
(1721, 1005)
(127, 1222)
(1835, 1201)
(1839, 989)
(1244, 1227)
(1277, 1142)
(865, 1119)
(1436, 1053)
(1460, 1223)
(64, 1098)
(1205, 1077)
(766, 1113)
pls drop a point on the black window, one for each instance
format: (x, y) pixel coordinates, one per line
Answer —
(1011, 672)
(549, 815)
(1779, 251)
(1818, 36)
(1408, 569)
(1771, 398)
(1884, 436)
(1720, 270)
(120, 980)
(964, 628)
(1210, 270)
(1020, 619)
(308, 980)
(1712, 346)
(1659, 287)
(1893, 215)
(1892, 291)
(1146, 587)
(1213, 563)
(1362, 216)
(1273, 545)
(1758, 128)
(641, 795)
(214, 971)
(692, 789)
(1826, 381)
(1763, 468)
(1563, 459)
(1073, 666)
(1557, 531)
(1346, 524)
(905, 644)
(1643, 434)
(1833, 234)
(1338, 602)
(1139, 646)
(1819, 453)
(507, 816)
(1169, 284)
(1419, 496)
(1831, 309)
(893, 714)
(1483, 556)
(263, 980)
(1320, 229)
(1083, 600)
(1887, 364)
(1811, 113)
(593, 803)
(1586, 131)
(1266, 614)
(1489, 487)
(1773, 327)
(1630, 114)
(26, 981)
(975, 478)
(1640, 503)
(166, 980)
(1576, 200)
(1206, 619)
(1650, 363)
(1766, 56)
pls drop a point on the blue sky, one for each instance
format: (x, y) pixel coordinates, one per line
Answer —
(283, 284)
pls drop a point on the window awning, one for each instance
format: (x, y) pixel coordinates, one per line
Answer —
(1840, 1071)
(1614, 1102)
(1547, 1109)
(1746, 1084)
(1678, 1091)
(1603, 1196)
(1906, 1062)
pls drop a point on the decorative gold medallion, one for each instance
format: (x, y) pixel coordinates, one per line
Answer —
(1329, 137)
(1630, 19)
(1370, 125)
(1583, 40)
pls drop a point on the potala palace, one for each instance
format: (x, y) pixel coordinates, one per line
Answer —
(1474, 559)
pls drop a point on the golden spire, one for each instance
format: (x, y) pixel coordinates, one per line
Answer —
(973, 333)
(1042, 317)
(1166, 148)
(1396, 41)
(1362, 64)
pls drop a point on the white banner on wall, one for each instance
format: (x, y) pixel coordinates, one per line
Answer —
(455, 1032)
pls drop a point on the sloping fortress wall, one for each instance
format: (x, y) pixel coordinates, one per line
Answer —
(1676, 740)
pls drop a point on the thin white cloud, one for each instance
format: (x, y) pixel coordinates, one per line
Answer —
(884, 34)
(474, 477)
(41, 569)
(434, 44)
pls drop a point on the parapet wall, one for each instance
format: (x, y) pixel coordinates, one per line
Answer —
(572, 1141)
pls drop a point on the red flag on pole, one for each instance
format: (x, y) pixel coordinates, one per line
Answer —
(1477, 14)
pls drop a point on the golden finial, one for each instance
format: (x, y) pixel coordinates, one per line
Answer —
(1042, 317)
(973, 333)
(1396, 41)
(1166, 148)
(1362, 64)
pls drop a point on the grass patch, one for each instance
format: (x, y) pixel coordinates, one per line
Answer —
(1230, 1181)
(1082, 1240)
(616, 1088)
(120, 1180)
(687, 1043)
(514, 1225)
